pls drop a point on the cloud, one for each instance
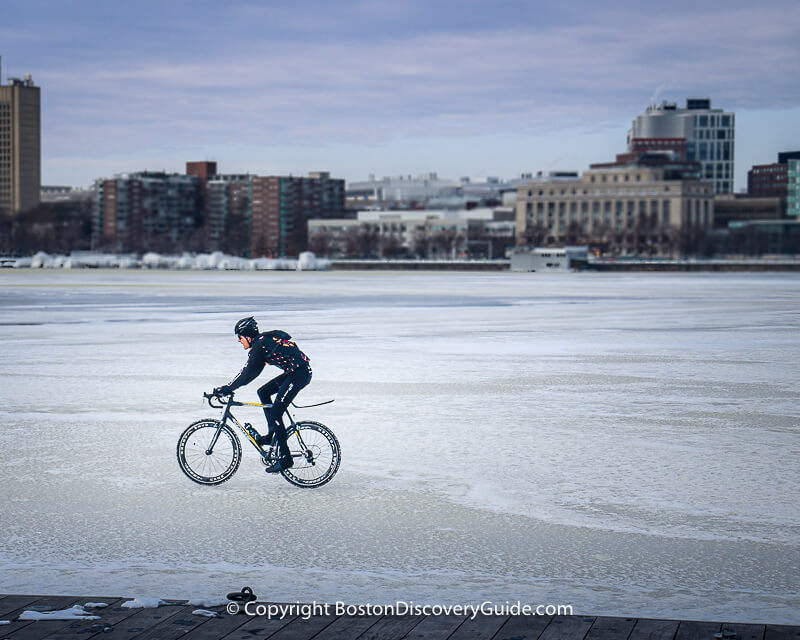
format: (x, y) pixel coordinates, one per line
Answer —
(535, 77)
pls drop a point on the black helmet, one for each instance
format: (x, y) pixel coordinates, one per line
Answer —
(246, 327)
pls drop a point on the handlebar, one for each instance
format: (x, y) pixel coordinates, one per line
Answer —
(210, 397)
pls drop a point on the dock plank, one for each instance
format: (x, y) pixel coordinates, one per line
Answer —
(35, 629)
(435, 627)
(300, 629)
(175, 621)
(175, 626)
(109, 616)
(140, 621)
(391, 628)
(695, 630)
(781, 632)
(218, 627)
(10, 604)
(347, 628)
(652, 629)
(523, 628)
(258, 627)
(611, 628)
(743, 631)
(481, 627)
(567, 628)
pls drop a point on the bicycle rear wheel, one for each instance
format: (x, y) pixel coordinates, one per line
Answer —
(316, 455)
(206, 466)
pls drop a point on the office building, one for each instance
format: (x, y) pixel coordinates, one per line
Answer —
(632, 207)
(20, 145)
(771, 180)
(427, 233)
(793, 189)
(732, 209)
(698, 132)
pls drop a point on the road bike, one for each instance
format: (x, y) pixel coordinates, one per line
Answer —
(209, 450)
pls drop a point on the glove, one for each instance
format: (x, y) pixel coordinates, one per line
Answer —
(224, 390)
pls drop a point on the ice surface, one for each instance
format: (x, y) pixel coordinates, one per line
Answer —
(625, 443)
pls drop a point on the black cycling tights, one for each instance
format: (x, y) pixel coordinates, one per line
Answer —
(285, 387)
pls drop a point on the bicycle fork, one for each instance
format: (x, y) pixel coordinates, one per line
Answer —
(220, 426)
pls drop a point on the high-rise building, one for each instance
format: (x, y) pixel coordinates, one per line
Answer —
(242, 214)
(281, 207)
(20, 145)
(703, 134)
(146, 211)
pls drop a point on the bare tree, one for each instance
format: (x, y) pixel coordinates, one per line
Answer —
(448, 242)
(391, 247)
(421, 242)
(361, 242)
(535, 235)
(320, 243)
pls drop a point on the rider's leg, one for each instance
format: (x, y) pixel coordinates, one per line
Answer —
(292, 384)
(265, 395)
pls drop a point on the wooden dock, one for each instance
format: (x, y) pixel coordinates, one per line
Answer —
(176, 620)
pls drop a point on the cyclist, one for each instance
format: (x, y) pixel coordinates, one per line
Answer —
(275, 348)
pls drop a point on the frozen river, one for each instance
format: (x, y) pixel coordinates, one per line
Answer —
(626, 444)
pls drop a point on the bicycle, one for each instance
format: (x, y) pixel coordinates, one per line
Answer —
(209, 451)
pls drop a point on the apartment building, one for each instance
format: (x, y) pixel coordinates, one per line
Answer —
(243, 214)
(146, 211)
(281, 207)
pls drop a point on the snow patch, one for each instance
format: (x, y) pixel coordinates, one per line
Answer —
(143, 602)
(217, 260)
(205, 613)
(73, 613)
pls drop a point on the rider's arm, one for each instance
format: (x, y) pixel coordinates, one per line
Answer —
(255, 365)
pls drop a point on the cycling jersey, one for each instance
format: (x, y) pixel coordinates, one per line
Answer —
(275, 348)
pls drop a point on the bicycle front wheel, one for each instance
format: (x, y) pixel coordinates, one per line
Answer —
(316, 455)
(204, 463)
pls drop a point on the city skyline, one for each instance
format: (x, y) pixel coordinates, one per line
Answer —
(473, 89)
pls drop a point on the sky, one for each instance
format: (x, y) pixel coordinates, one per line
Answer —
(473, 88)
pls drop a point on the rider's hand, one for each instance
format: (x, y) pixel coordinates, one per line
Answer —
(224, 390)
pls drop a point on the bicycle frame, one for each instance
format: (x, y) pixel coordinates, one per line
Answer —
(227, 413)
